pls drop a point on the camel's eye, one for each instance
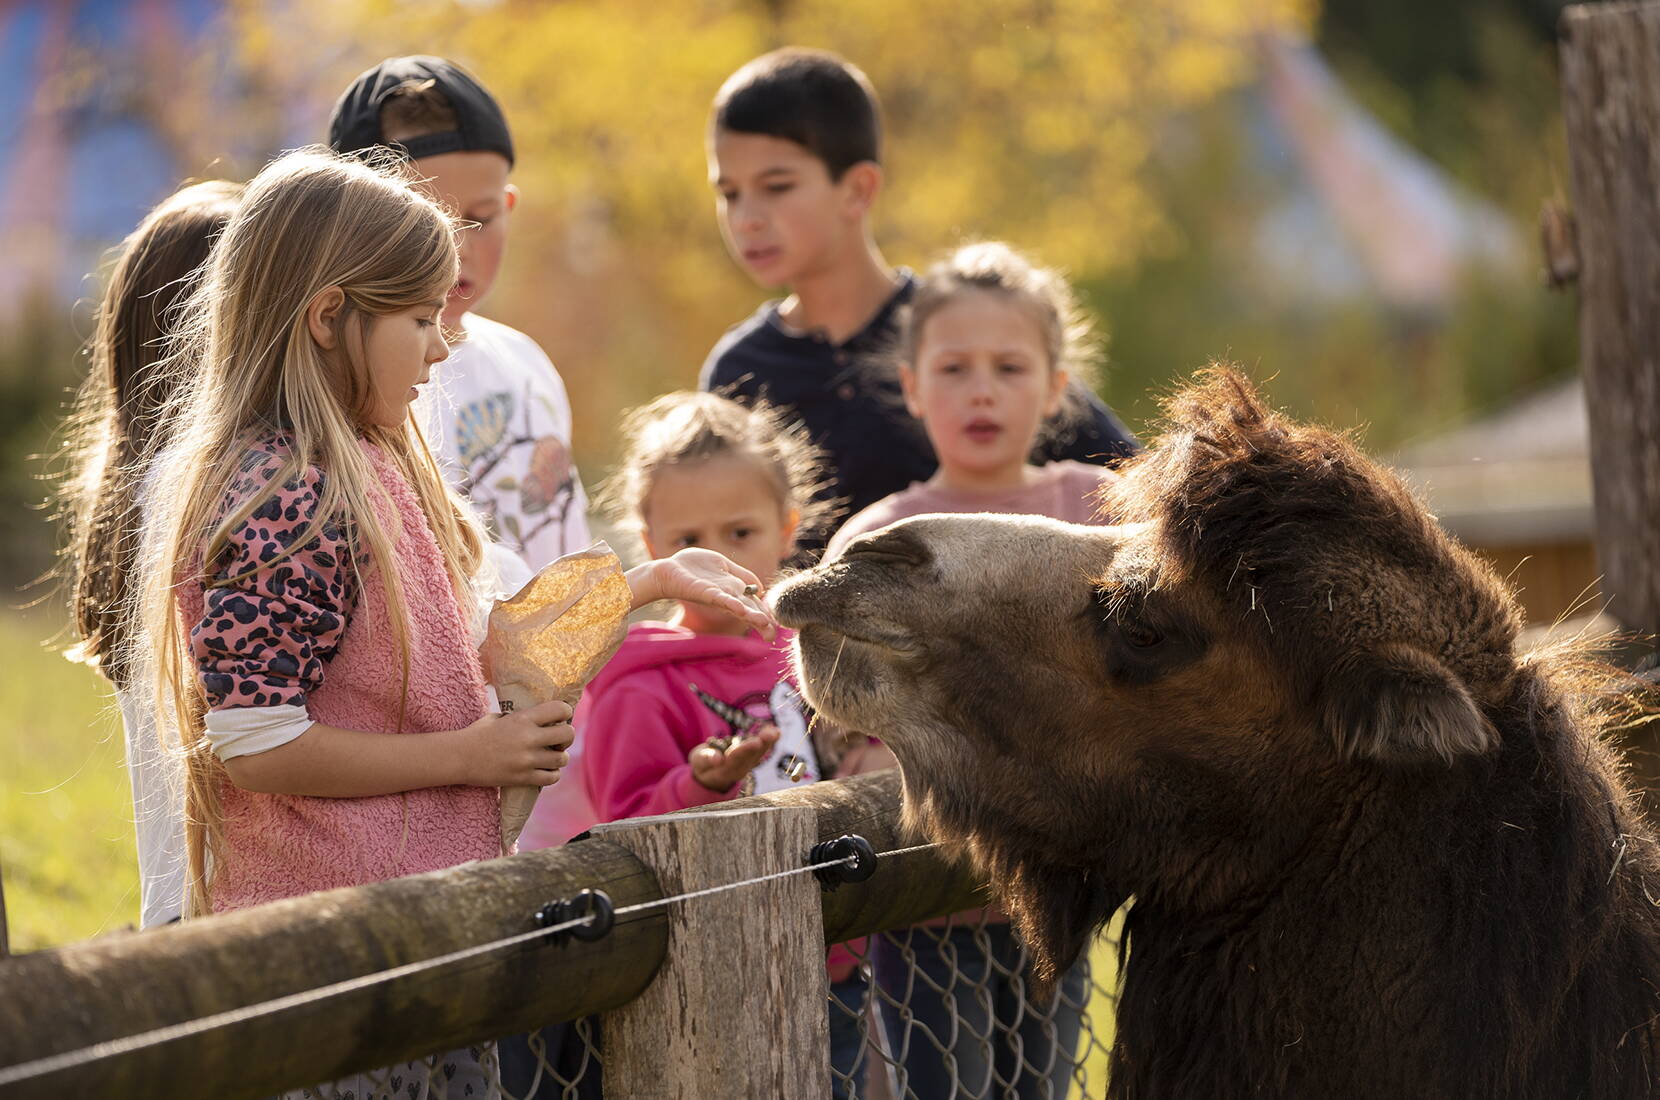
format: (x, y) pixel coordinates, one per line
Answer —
(1139, 634)
(1144, 635)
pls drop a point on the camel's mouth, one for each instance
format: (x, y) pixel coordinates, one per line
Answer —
(839, 673)
(846, 657)
(863, 635)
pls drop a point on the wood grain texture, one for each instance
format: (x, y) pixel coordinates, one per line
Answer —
(739, 1006)
(123, 984)
(1611, 105)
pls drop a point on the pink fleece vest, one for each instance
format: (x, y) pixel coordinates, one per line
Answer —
(278, 846)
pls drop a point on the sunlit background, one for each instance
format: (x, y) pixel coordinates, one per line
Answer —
(1342, 197)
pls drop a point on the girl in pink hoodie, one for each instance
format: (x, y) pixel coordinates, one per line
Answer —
(701, 709)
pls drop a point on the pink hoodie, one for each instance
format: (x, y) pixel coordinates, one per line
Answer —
(640, 717)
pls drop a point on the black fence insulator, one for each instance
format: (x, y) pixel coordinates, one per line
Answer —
(595, 905)
(829, 851)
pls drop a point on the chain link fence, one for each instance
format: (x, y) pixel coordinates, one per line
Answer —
(938, 1011)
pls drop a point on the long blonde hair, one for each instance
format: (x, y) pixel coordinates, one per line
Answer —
(115, 417)
(252, 371)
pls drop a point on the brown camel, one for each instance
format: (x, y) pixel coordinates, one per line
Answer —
(1372, 850)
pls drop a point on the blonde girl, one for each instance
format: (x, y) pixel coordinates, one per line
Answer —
(988, 347)
(308, 578)
(114, 423)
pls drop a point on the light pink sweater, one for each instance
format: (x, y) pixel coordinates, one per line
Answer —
(277, 846)
(1062, 490)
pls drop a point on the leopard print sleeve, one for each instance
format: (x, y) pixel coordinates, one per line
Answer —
(269, 627)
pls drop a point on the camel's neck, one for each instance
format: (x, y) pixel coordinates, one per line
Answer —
(1395, 962)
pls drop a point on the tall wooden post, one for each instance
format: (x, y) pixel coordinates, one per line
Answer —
(739, 1007)
(1611, 106)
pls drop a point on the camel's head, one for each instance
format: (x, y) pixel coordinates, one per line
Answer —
(1169, 705)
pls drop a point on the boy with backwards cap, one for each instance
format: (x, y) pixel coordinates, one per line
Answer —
(504, 421)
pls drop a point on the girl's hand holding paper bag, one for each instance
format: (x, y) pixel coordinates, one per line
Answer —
(547, 641)
(552, 637)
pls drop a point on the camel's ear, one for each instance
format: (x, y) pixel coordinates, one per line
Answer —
(1399, 703)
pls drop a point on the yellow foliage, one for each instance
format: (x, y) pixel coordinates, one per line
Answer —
(1029, 120)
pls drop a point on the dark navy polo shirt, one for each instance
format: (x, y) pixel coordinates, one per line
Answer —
(848, 397)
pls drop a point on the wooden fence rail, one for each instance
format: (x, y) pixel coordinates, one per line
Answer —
(122, 985)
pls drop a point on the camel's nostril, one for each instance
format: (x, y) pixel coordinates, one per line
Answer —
(898, 547)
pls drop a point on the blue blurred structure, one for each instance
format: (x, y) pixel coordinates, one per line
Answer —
(1361, 214)
(105, 106)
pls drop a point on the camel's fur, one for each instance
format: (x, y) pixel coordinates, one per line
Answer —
(1373, 851)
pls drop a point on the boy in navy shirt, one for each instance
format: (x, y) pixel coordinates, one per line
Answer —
(794, 154)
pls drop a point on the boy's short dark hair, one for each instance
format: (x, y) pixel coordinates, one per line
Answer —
(811, 97)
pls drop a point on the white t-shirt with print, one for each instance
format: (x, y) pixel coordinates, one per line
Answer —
(504, 440)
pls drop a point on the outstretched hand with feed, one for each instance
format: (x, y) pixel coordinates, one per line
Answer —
(720, 764)
(702, 576)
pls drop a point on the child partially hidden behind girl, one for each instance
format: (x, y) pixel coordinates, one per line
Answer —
(987, 350)
(700, 709)
(308, 580)
(125, 390)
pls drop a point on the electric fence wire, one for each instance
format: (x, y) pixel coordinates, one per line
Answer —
(111, 1048)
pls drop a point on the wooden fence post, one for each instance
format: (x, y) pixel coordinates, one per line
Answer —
(740, 1005)
(1611, 107)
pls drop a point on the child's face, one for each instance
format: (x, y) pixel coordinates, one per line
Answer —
(473, 186)
(398, 351)
(781, 215)
(982, 384)
(725, 503)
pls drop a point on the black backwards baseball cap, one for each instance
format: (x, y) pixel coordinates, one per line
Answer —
(480, 126)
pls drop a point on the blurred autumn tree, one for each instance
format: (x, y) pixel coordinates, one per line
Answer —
(1032, 121)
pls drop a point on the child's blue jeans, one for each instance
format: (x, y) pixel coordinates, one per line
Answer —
(848, 1044)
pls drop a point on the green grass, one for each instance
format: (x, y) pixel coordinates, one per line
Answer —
(66, 834)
